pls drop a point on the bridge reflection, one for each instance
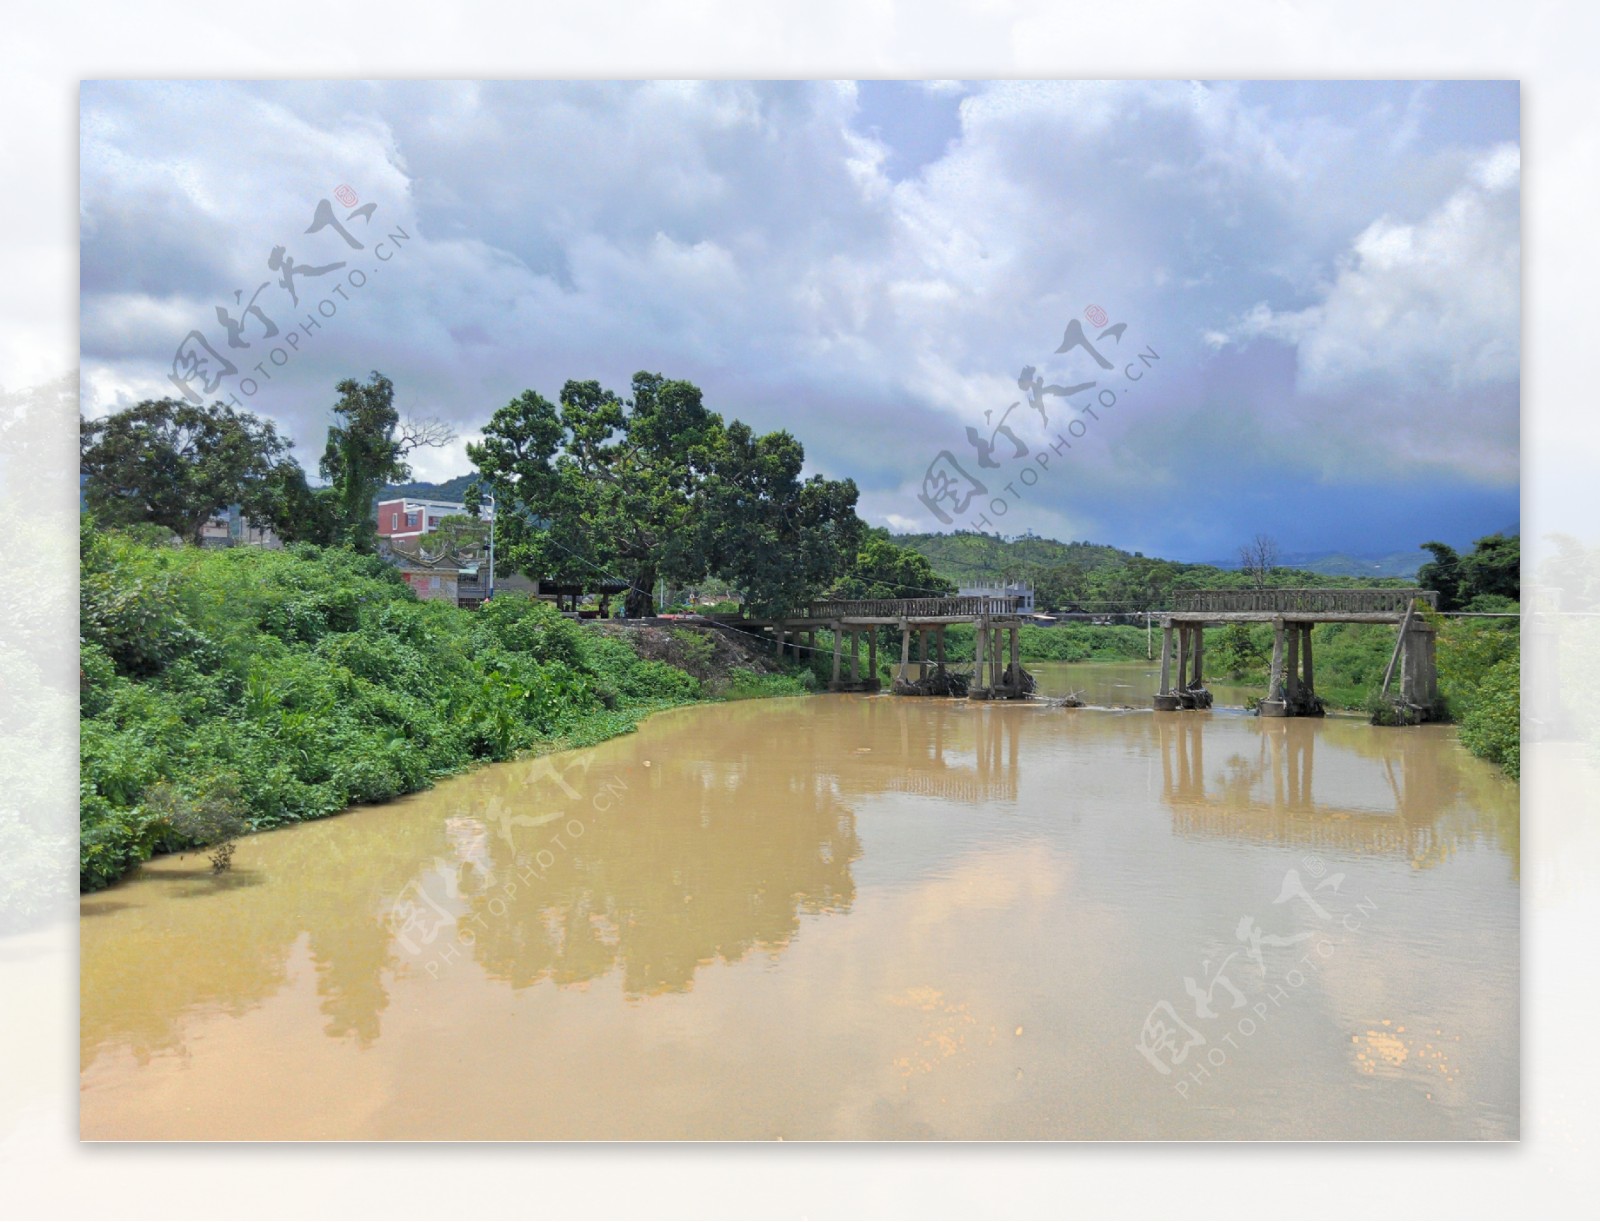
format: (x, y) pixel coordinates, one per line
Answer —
(1333, 787)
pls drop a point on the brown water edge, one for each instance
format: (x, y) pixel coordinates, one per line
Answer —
(844, 917)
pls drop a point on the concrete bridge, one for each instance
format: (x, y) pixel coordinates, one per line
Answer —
(997, 669)
(1291, 687)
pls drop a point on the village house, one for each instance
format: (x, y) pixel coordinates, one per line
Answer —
(406, 519)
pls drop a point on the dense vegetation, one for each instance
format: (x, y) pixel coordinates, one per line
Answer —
(235, 690)
(1097, 578)
(659, 486)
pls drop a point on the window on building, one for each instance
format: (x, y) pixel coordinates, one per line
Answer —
(413, 518)
(394, 520)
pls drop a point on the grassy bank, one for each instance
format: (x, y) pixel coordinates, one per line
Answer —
(223, 692)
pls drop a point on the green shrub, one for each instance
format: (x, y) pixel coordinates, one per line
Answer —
(275, 687)
(1492, 724)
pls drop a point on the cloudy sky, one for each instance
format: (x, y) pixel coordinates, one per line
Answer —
(1323, 279)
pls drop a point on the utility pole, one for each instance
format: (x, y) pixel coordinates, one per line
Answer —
(490, 498)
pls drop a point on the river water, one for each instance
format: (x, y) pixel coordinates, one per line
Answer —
(847, 917)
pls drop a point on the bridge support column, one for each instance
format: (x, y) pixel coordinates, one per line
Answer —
(905, 651)
(1016, 661)
(1419, 675)
(1165, 700)
(1199, 655)
(938, 642)
(979, 636)
(1310, 687)
(1274, 703)
(838, 651)
(1292, 685)
(872, 656)
(922, 653)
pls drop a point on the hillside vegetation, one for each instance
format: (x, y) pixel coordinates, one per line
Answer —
(1096, 577)
(230, 691)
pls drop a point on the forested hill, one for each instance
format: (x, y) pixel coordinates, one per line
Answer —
(451, 490)
(1095, 576)
(966, 557)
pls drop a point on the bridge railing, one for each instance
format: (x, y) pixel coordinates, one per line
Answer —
(910, 608)
(1309, 601)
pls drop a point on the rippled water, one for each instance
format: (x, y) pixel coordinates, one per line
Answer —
(847, 917)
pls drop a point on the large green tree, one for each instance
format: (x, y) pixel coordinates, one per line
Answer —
(776, 538)
(367, 447)
(176, 464)
(657, 486)
(1442, 574)
(1493, 567)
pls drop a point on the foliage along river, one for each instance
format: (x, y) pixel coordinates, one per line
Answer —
(847, 917)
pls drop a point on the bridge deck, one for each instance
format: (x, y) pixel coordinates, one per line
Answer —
(1324, 605)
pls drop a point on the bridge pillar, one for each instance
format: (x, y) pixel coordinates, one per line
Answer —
(1275, 703)
(980, 634)
(872, 654)
(1165, 700)
(838, 649)
(938, 643)
(1419, 674)
(1292, 687)
(922, 653)
(1199, 655)
(1310, 684)
(905, 651)
(1016, 659)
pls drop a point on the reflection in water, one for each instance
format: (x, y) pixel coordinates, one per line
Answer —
(1407, 793)
(842, 916)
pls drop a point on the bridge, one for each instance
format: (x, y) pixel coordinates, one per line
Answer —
(996, 619)
(1291, 687)
(997, 672)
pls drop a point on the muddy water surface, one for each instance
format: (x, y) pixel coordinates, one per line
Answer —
(847, 917)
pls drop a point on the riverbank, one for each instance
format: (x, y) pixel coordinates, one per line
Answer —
(225, 692)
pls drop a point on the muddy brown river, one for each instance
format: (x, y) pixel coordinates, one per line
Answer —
(847, 917)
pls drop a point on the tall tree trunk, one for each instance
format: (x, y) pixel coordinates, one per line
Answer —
(641, 602)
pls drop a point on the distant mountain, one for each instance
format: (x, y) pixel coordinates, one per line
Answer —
(969, 558)
(450, 490)
(1350, 564)
(965, 557)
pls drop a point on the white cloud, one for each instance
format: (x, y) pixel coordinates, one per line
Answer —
(747, 237)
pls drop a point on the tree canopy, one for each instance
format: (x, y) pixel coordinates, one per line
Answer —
(658, 486)
(367, 448)
(1490, 575)
(176, 464)
(884, 569)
